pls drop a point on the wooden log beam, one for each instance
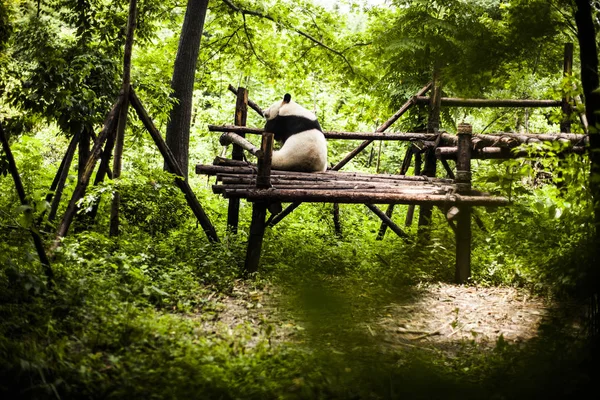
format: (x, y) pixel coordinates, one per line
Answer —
(37, 240)
(357, 197)
(504, 139)
(388, 222)
(503, 153)
(382, 128)
(338, 180)
(192, 201)
(460, 102)
(233, 138)
(263, 174)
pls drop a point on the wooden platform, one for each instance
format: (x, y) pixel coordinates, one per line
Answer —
(267, 188)
(236, 180)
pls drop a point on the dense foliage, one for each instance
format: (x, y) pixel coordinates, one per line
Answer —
(130, 317)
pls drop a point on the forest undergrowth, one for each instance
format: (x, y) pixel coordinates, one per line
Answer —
(137, 316)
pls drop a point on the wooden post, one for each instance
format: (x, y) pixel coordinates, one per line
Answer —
(430, 167)
(241, 114)
(565, 125)
(117, 162)
(37, 240)
(463, 222)
(259, 208)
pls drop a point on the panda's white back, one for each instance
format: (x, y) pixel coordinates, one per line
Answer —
(305, 152)
(304, 145)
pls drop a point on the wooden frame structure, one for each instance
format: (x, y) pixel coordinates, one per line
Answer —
(237, 179)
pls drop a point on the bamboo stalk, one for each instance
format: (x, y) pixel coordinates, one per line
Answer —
(232, 138)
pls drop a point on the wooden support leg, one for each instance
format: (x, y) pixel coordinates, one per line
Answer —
(241, 114)
(463, 244)
(255, 239)
(390, 209)
(463, 222)
(336, 219)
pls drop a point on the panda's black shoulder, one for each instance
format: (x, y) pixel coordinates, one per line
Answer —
(285, 126)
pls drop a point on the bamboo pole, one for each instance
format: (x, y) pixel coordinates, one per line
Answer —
(120, 141)
(241, 115)
(103, 171)
(37, 240)
(172, 164)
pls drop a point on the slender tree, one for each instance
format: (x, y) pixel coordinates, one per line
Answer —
(182, 83)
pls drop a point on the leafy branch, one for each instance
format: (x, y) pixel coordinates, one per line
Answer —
(245, 12)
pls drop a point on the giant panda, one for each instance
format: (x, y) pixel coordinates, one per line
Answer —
(304, 147)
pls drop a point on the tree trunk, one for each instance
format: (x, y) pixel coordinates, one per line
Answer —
(178, 128)
(590, 82)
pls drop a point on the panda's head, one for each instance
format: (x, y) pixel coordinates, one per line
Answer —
(288, 108)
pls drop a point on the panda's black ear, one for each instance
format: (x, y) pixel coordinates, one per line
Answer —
(287, 98)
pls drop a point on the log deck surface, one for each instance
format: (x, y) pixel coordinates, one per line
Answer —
(239, 181)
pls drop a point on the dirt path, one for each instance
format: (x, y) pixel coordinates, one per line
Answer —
(438, 316)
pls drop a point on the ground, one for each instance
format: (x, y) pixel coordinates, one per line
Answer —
(438, 316)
